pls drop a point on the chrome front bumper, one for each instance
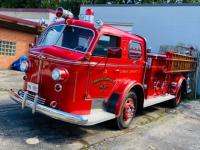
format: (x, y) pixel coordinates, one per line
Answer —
(53, 113)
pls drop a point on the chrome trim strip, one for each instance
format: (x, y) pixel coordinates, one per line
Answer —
(88, 63)
(95, 99)
(145, 70)
(87, 83)
(75, 85)
(39, 69)
(53, 113)
(31, 54)
(93, 63)
(67, 61)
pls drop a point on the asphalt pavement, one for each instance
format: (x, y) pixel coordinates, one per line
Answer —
(156, 128)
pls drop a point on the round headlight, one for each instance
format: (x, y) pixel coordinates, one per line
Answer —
(24, 66)
(60, 74)
(56, 74)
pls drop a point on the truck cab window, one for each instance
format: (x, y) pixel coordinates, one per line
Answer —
(69, 37)
(51, 36)
(105, 41)
(76, 38)
(135, 50)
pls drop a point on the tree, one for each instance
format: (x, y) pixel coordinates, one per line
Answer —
(74, 5)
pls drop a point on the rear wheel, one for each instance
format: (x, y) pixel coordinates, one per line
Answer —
(176, 101)
(127, 112)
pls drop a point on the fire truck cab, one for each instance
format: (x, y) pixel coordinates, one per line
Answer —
(85, 72)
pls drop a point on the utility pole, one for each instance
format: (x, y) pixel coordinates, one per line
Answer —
(197, 73)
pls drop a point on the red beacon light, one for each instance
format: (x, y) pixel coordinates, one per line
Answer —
(89, 15)
(62, 13)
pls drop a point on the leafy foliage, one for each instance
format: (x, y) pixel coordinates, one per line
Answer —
(74, 5)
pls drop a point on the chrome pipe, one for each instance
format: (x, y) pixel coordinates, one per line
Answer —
(24, 99)
(34, 104)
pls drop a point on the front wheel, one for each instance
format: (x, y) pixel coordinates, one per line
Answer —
(127, 112)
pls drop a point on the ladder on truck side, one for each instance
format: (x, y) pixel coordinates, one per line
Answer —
(173, 63)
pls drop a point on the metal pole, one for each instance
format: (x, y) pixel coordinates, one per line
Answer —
(197, 75)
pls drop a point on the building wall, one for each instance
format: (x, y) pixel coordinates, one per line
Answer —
(22, 40)
(32, 16)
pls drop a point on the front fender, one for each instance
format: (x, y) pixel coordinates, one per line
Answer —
(116, 99)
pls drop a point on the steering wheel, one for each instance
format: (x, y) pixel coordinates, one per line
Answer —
(81, 48)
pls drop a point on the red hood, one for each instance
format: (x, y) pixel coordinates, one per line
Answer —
(59, 52)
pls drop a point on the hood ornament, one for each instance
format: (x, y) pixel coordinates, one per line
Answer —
(41, 57)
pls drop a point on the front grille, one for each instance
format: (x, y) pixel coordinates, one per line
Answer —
(31, 96)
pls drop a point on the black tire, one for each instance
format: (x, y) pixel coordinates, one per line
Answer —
(126, 116)
(177, 100)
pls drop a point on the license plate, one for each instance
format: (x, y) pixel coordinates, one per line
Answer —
(32, 87)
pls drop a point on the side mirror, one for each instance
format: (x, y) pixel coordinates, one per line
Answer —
(114, 52)
(88, 56)
(149, 50)
(36, 39)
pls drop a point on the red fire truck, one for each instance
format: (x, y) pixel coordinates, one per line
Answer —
(86, 72)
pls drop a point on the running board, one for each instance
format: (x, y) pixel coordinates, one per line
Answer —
(97, 116)
(157, 99)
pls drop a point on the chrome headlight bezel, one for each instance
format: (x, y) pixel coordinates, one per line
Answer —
(56, 74)
(60, 74)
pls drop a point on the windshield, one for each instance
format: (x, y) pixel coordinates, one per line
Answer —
(70, 37)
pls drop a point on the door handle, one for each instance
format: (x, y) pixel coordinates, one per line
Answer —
(117, 71)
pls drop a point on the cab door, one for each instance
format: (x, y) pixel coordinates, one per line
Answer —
(103, 70)
(136, 57)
